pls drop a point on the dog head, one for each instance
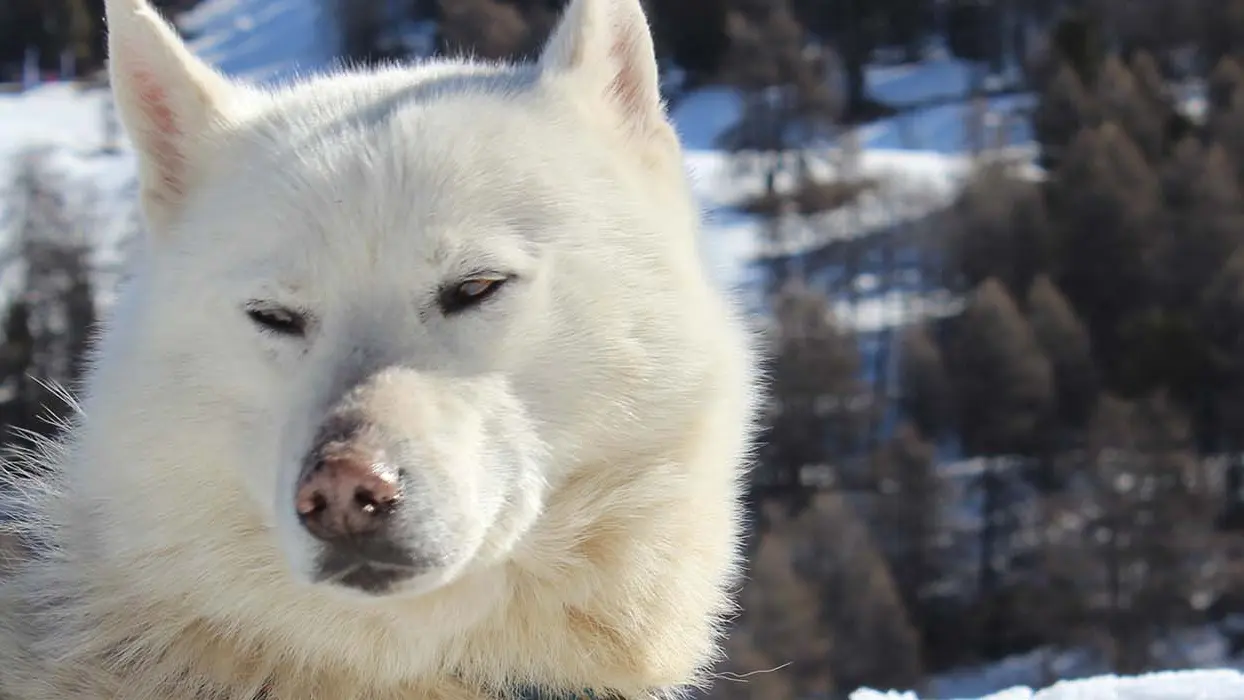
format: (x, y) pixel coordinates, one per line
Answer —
(386, 313)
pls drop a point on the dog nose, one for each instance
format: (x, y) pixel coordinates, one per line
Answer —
(345, 497)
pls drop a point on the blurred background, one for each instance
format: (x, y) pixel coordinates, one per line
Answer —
(995, 246)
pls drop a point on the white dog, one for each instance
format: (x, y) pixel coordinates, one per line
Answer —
(419, 390)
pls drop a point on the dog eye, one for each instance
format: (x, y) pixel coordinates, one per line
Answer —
(470, 292)
(277, 319)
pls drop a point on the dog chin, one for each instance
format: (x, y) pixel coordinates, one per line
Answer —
(381, 581)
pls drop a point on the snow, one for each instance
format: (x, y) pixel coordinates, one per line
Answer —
(935, 88)
(260, 39)
(66, 123)
(937, 77)
(917, 156)
(702, 115)
(943, 128)
(1174, 685)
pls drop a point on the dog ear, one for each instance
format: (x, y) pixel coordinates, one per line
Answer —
(167, 100)
(604, 47)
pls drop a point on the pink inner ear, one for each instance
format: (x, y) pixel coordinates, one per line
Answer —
(163, 132)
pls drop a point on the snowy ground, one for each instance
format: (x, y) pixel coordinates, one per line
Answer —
(1184, 685)
(1199, 648)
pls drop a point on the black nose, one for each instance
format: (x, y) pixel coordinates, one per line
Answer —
(347, 497)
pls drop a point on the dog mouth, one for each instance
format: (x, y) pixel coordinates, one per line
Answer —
(373, 568)
(371, 577)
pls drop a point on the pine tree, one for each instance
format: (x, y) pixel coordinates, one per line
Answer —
(1205, 214)
(999, 230)
(1222, 320)
(854, 28)
(1108, 201)
(1149, 526)
(1004, 388)
(1065, 108)
(1065, 342)
(1163, 344)
(820, 612)
(873, 643)
(908, 514)
(1226, 111)
(1225, 83)
(817, 413)
(1003, 381)
(1077, 42)
(1158, 26)
(1124, 101)
(926, 398)
(788, 101)
(781, 629)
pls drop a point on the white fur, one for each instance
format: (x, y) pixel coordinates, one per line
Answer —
(582, 436)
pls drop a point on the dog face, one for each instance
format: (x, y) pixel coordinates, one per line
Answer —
(401, 306)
